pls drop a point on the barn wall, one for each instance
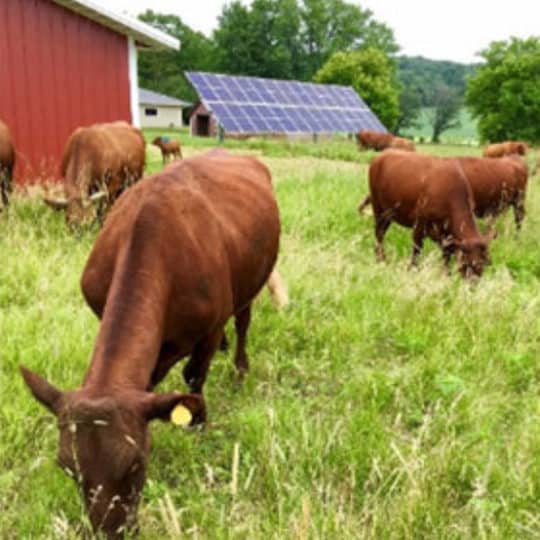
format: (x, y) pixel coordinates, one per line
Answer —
(166, 116)
(58, 71)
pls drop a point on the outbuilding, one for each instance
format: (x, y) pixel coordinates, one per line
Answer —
(160, 111)
(202, 122)
(65, 64)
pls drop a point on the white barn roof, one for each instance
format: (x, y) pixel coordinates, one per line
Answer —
(143, 34)
(149, 97)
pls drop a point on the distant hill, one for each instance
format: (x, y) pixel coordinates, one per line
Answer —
(425, 74)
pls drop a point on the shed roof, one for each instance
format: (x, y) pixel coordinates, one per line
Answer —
(123, 24)
(149, 97)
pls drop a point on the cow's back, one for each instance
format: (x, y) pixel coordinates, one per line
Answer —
(494, 182)
(397, 180)
(207, 227)
(104, 148)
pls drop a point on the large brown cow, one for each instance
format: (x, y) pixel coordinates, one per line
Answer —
(179, 253)
(99, 162)
(506, 149)
(431, 196)
(170, 148)
(497, 184)
(7, 163)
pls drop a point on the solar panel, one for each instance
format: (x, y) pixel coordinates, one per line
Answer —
(256, 105)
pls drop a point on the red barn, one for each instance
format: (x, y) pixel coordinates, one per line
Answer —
(65, 64)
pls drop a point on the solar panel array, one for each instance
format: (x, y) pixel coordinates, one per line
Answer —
(255, 105)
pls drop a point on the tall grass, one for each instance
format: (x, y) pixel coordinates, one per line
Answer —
(382, 403)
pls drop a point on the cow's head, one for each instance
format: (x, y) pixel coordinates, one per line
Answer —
(104, 445)
(473, 254)
(78, 211)
(521, 148)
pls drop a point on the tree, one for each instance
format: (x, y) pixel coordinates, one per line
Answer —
(372, 74)
(447, 103)
(292, 39)
(261, 40)
(505, 93)
(330, 26)
(409, 108)
(163, 71)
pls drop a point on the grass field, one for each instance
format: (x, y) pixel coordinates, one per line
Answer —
(382, 402)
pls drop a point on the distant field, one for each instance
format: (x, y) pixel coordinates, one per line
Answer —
(383, 403)
(465, 133)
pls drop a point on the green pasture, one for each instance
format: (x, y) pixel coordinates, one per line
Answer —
(382, 402)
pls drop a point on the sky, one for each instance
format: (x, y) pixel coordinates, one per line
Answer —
(442, 30)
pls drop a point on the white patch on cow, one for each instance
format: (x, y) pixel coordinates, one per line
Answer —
(130, 440)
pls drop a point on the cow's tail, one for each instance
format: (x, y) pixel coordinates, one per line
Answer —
(277, 289)
(364, 204)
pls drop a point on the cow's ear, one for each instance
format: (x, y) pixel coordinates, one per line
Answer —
(162, 406)
(42, 390)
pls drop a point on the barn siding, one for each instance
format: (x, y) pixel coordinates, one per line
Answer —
(58, 71)
(166, 117)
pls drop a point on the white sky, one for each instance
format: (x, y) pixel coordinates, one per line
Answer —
(439, 29)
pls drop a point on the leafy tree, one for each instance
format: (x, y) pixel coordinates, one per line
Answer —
(330, 26)
(446, 106)
(163, 71)
(505, 93)
(372, 74)
(292, 38)
(424, 75)
(261, 40)
(409, 108)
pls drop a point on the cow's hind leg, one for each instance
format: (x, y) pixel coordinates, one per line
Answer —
(418, 242)
(519, 210)
(447, 256)
(196, 369)
(382, 222)
(5, 182)
(241, 324)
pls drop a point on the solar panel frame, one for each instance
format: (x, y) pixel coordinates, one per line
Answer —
(251, 105)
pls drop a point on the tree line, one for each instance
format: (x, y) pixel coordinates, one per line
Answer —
(333, 41)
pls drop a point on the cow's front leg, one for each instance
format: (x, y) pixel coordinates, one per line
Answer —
(196, 369)
(168, 357)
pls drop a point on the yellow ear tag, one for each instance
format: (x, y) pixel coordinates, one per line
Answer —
(181, 416)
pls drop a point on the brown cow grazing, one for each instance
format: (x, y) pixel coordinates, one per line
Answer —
(170, 148)
(497, 184)
(99, 163)
(431, 196)
(374, 140)
(400, 143)
(178, 254)
(506, 149)
(7, 163)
